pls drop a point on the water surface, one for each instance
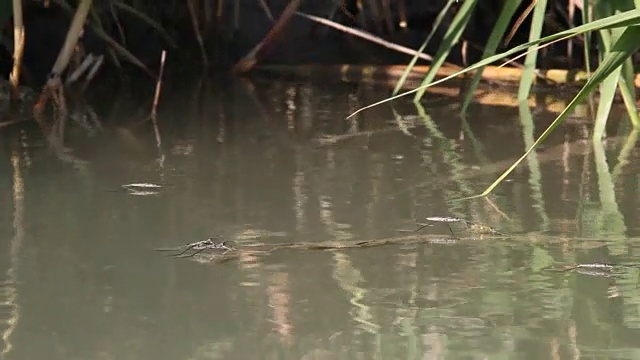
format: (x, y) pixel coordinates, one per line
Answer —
(276, 162)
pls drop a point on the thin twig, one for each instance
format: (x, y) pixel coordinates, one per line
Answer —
(94, 69)
(82, 69)
(422, 226)
(367, 36)
(267, 11)
(156, 98)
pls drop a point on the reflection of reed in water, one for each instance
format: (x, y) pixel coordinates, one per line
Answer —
(279, 301)
(10, 311)
(349, 279)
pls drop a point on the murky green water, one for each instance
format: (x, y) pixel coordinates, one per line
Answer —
(80, 279)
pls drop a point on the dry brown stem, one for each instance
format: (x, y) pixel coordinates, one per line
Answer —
(53, 89)
(248, 61)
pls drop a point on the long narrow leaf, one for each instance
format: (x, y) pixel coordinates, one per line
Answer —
(626, 83)
(499, 29)
(607, 94)
(586, 18)
(436, 25)
(628, 18)
(532, 56)
(610, 84)
(458, 24)
(626, 45)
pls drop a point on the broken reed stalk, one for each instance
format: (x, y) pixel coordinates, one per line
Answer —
(18, 49)
(249, 61)
(92, 73)
(54, 84)
(72, 38)
(80, 69)
(156, 98)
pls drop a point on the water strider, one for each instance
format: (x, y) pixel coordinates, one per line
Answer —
(212, 243)
(470, 226)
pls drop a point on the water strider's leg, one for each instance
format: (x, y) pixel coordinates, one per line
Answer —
(183, 255)
(451, 231)
(208, 244)
(422, 226)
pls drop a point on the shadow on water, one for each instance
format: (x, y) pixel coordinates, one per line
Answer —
(275, 162)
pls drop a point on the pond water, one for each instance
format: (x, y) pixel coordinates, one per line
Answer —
(275, 162)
